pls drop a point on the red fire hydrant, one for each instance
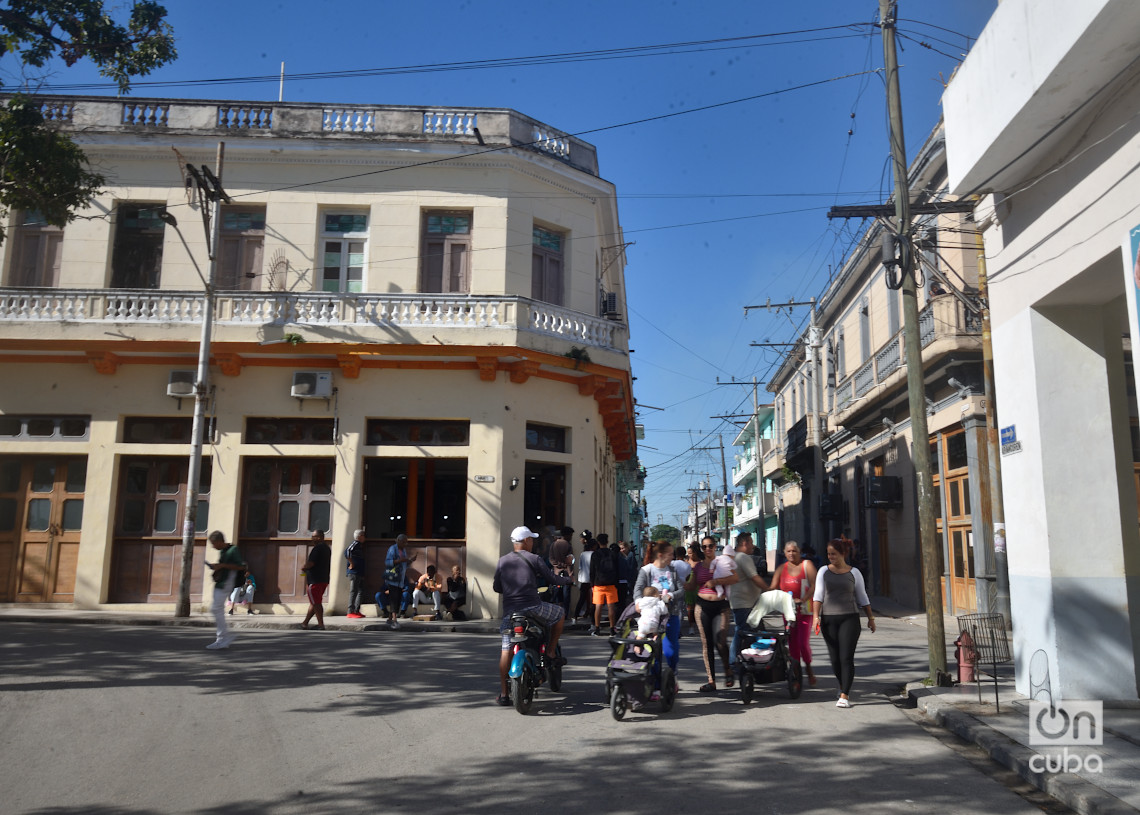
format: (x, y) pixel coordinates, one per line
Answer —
(967, 657)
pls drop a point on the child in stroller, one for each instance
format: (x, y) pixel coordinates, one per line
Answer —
(636, 664)
(764, 657)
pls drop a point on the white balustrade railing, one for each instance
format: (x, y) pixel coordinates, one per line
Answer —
(864, 378)
(573, 325)
(348, 120)
(147, 114)
(450, 122)
(242, 117)
(887, 360)
(57, 111)
(435, 312)
(553, 142)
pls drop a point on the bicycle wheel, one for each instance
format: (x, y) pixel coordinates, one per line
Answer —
(619, 704)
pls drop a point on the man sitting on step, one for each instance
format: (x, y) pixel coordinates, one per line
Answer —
(428, 591)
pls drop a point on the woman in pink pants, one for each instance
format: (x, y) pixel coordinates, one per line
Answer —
(797, 576)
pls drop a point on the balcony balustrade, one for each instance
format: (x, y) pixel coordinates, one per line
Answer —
(379, 123)
(410, 311)
(943, 318)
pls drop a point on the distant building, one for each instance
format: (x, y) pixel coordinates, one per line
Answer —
(420, 328)
(1041, 123)
(754, 501)
(842, 442)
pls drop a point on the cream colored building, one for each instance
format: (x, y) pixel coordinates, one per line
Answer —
(418, 328)
(842, 454)
(1041, 124)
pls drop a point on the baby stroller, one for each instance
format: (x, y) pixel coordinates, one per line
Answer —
(763, 657)
(631, 676)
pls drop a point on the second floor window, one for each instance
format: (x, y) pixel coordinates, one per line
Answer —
(344, 241)
(239, 256)
(36, 249)
(136, 262)
(546, 266)
(447, 245)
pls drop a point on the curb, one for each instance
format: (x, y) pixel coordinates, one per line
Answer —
(1075, 792)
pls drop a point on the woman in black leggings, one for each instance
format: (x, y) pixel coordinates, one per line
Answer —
(712, 615)
(839, 594)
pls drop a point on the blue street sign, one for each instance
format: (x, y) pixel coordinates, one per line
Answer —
(1009, 434)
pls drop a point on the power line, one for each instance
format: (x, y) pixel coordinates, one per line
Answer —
(559, 58)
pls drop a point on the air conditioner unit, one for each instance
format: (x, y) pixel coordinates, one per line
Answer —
(311, 385)
(610, 306)
(181, 384)
(884, 491)
(831, 507)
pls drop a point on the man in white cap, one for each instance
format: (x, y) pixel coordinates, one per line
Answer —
(516, 578)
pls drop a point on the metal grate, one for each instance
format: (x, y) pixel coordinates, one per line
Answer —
(987, 639)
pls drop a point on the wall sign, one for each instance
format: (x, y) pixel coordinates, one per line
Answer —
(485, 479)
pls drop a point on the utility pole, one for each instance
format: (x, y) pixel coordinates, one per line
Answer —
(916, 381)
(209, 186)
(997, 508)
(724, 481)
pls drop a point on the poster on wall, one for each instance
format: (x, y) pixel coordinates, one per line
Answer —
(1131, 251)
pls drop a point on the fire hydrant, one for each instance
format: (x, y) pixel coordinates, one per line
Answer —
(967, 657)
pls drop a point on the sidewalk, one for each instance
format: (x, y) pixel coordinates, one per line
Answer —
(239, 620)
(1113, 788)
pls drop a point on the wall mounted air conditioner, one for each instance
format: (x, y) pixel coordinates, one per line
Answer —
(610, 306)
(311, 385)
(181, 384)
(884, 492)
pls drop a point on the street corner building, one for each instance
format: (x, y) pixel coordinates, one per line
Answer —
(418, 327)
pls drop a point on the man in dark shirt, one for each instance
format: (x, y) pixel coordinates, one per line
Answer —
(516, 578)
(316, 571)
(604, 580)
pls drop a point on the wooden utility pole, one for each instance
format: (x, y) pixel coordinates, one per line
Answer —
(916, 381)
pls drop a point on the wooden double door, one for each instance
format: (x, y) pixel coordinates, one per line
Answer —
(41, 515)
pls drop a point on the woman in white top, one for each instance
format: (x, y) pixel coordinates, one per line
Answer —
(839, 594)
(585, 600)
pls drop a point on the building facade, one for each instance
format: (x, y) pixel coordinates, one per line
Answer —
(843, 457)
(754, 499)
(1041, 125)
(417, 329)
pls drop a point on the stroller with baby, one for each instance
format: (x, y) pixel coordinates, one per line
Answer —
(634, 667)
(763, 657)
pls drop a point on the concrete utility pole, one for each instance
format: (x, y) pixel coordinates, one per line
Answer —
(201, 381)
(916, 380)
(724, 481)
(993, 449)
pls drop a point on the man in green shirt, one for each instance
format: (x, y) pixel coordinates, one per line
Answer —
(226, 571)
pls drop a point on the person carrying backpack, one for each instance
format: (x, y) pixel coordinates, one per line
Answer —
(604, 580)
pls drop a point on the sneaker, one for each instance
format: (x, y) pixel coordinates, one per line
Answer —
(842, 702)
(437, 616)
(591, 631)
(392, 624)
(503, 700)
(231, 611)
(249, 611)
(655, 696)
(354, 615)
(217, 645)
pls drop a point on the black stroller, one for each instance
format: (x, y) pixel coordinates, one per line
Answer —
(763, 657)
(633, 668)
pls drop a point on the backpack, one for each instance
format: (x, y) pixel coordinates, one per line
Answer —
(605, 568)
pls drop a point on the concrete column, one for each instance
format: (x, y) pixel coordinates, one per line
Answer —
(981, 514)
(1070, 501)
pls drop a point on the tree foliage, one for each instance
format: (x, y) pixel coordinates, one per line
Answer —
(38, 30)
(42, 169)
(665, 532)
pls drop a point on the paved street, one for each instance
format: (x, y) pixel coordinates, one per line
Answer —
(142, 719)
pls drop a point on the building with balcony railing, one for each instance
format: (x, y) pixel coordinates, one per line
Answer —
(754, 499)
(842, 420)
(418, 329)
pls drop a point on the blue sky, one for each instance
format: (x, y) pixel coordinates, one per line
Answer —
(726, 207)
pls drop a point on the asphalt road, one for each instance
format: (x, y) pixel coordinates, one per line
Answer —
(101, 719)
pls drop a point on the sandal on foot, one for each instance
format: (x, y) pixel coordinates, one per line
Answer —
(708, 687)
